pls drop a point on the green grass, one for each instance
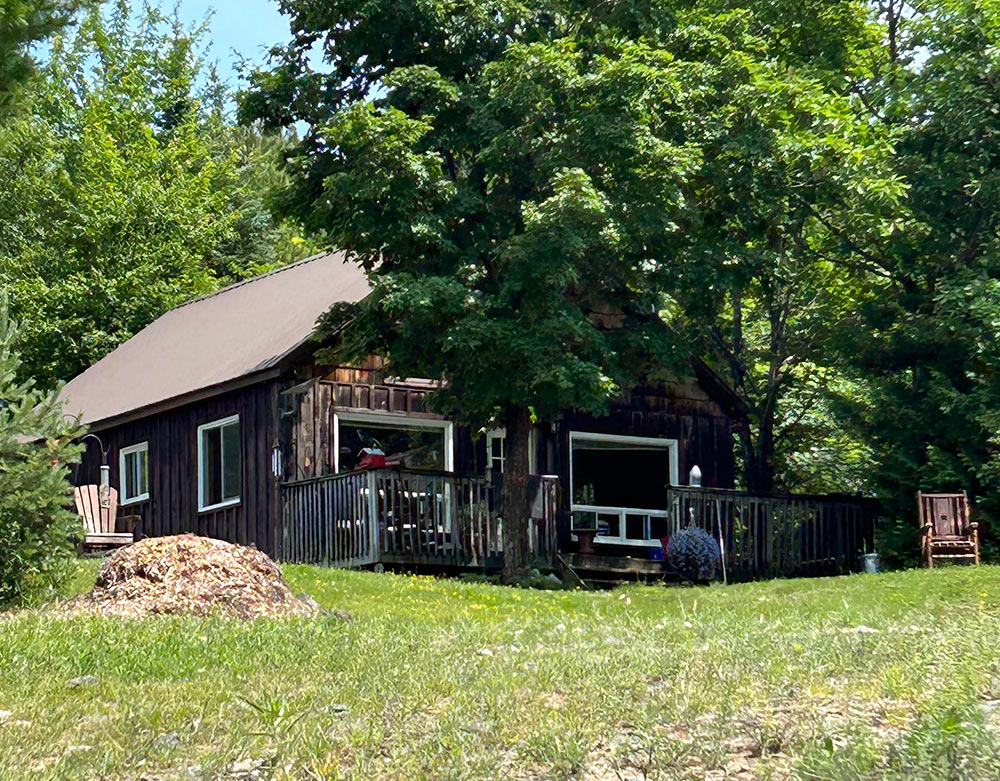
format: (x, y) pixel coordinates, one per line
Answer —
(857, 677)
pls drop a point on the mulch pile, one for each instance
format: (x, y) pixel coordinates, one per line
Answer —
(190, 575)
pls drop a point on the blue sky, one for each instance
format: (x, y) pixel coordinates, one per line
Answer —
(249, 27)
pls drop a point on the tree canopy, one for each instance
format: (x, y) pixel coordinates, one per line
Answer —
(923, 336)
(532, 187)
(126, 188)
(24, 23)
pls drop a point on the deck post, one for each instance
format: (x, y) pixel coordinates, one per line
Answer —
(374, 554)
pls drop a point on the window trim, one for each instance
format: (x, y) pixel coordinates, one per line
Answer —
(500, 432)
(138, 447)
(395, 419)
(491, 435)
(220, 423)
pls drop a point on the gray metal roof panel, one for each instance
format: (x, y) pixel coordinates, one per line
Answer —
(231, 333)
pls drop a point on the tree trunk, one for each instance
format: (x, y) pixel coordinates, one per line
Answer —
(762, 478)
(514, 494)
(758, 458)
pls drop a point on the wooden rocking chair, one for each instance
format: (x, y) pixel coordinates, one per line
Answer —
(99, 522)
(945, 529)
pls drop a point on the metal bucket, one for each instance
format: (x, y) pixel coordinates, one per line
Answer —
(869, 563)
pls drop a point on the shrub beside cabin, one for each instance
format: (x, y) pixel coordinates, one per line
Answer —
(218, 420)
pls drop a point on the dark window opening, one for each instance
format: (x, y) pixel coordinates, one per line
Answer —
(404, 448)
(610, 474)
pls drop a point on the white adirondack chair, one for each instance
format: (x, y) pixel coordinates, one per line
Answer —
(99, 522)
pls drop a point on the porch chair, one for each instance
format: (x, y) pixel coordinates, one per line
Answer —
(945, 529)
(99, 522)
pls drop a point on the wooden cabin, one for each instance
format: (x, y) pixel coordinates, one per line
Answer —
(216, 419)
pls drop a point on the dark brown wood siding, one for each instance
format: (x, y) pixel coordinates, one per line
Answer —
(678, 410)
(172, 507)
(303, 415)
(668, 410)
(307, 420)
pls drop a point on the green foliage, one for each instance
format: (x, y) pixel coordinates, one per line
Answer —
(814, 451)
(515, 196)
(22, 24)
(795, 168)
(923, 336)
(527, 185)
(125, 189)
(37, 531)
(897, 540)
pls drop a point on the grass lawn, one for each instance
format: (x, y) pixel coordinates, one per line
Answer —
(863, 676)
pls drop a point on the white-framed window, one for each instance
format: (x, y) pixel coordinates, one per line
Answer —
(133, 473)
(495, 440)
(496, 449)
(619, 484)
(220, 463)
(407, 441)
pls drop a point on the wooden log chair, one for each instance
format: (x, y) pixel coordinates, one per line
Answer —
(99, 523)
(946, 531)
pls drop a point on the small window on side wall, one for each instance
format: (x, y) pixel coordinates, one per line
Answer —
(133, 473)
(220, 466)
(495, 441)
(496, 450)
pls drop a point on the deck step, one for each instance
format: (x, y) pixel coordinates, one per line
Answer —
(618, 565)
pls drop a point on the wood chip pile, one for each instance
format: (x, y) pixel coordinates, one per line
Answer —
(190, 575)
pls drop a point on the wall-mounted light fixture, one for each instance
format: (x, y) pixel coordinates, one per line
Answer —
(694, 477)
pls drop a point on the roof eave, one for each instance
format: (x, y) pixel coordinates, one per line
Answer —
(185, 398)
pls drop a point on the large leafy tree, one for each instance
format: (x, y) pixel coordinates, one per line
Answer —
(799, 171)
(505, 187)
(528, 184)
(24, 23)
(925, 337)
(126, 188)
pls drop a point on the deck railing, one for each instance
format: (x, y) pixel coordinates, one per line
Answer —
(437, 518)
(404, 517)
(791, 534)
(326, 521)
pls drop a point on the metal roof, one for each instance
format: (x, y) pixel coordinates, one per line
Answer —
(233, 333)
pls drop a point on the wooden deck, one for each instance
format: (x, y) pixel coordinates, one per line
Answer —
(781, 534)
(414, 518)
(404, 517)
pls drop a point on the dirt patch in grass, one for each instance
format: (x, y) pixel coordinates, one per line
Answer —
(189, 575)
(750, 744)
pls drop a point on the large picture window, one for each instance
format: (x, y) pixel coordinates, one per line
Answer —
(408, 442)
(220, 467)
(619, 484)
(133, 473)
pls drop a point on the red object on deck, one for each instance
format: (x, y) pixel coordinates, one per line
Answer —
(371, 458)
